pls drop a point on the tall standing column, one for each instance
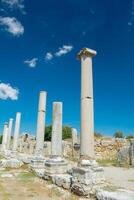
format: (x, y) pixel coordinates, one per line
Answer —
(9, 132)
(41, 123)
(56, 142)
(4, 139)
(16, 131)
(87, 113)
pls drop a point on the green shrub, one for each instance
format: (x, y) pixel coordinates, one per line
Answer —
(119, 134)
(66, 133)
(98, 135)
(130, 137)
(1, 136)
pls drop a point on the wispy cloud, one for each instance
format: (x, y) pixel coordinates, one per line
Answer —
(12, 25)
(63, 50)
(15, 4)
(48, 56)
(60, 52)
(8, 92)
(31, 63)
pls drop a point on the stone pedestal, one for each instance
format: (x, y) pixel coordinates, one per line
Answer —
(55, 166)
(87, 178)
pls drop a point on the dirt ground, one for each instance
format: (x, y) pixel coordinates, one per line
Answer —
(23, 185)
(20, 184)
(120, 177)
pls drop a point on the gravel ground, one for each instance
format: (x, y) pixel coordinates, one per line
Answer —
(120, 177)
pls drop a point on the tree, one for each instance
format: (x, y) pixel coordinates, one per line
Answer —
(48, 132)
(98, 135)
(66, 133)
(118, 134)
(1, 136)
(130, 137)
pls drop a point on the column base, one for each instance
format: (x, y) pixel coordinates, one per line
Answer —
(55, 165)
(37, 162)
(87, 178)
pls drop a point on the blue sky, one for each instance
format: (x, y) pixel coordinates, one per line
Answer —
(39, 41)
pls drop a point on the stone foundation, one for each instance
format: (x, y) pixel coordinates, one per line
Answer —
(55, 166)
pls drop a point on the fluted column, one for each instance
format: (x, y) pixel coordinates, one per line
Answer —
(41, 123)
(87, 113)
(16, 131)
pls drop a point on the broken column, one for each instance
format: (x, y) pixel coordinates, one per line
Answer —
(88, 176)
(9, 133)
(56, 164)
(5, 135)
(75, 145)
(74, 136)
(41, 123)
(37, 161)
(16, 131)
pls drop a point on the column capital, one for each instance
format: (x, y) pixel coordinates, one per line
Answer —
(86, 52)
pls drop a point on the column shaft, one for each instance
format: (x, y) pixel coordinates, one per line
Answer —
(16, 131)
(41, 123)
(9, 133)
(87, 113)
(56, 142)
(4, 139)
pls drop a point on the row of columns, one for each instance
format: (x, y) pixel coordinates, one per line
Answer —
(87, 113)
(7, 131)
(87, 116)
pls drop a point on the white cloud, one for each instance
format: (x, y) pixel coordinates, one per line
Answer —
(31, 63)
(63, 50)
(8, 92)
(15, 4)
(12, 25)
(49, 56)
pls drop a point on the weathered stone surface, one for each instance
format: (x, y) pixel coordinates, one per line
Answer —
(63, 180)
(55, 166)
(124, 156)
(87, 177)
(37, 162)
(11, 163)
(117, 195)
(39, 172)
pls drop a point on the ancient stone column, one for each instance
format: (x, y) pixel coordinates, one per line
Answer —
(41, 123)
(74, 140)
(87, 113)
(9, 132)
(16, 131)
(56, 164)
(74, 136)
(56, 142)
(4, 139)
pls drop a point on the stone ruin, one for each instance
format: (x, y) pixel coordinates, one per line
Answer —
(86, 178)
